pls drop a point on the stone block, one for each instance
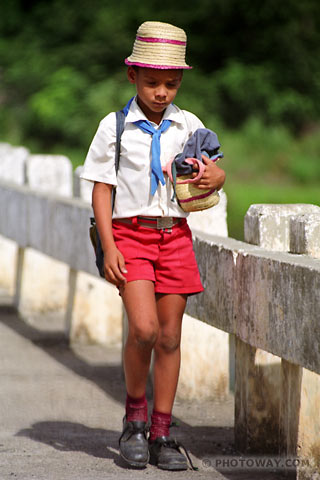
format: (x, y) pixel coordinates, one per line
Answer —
(305, 234)
(12, 163)
(44, 284)
(204, 361)
(50, 173)
(4, 148)
(12, 169)
(82, 188)
(268, 225)
(8, 259)
(97, 312)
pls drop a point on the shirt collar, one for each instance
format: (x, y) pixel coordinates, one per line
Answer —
(172, 113)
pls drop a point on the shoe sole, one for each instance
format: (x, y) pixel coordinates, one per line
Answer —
(164, 466)
(172, 467)
(135, 464)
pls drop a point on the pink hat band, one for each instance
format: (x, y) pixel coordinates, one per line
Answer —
(159, 45)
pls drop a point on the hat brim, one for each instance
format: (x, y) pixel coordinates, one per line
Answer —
(160, 67)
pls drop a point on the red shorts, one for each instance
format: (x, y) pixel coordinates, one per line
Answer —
(165, 258)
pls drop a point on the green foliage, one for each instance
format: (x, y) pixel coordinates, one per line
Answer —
(250, 59)
(56, 108)
(243, 194)
(304, 165)
(271, 153)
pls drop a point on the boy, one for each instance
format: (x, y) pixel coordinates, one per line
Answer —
(147, 243)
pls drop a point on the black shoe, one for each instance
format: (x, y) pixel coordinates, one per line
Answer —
(134, 444)
(165, 454)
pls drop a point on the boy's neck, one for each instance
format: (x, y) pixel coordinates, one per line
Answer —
(154, 117)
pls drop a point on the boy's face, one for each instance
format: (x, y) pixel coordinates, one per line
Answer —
(156, 89)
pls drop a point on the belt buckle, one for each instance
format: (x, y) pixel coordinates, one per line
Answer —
(164, 223)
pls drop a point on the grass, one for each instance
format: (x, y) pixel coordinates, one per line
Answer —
(243, 194)
(268, 165)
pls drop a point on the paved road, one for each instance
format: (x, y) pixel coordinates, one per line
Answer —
(61, 409)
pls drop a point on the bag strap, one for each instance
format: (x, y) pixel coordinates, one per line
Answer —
(120, 120)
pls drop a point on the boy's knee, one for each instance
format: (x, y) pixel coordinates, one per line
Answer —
(169, 343)
(145, 338)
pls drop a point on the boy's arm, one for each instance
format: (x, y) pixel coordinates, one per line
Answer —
(114, 264)
(213, 176)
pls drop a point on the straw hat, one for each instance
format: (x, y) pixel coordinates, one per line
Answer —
(159, 45)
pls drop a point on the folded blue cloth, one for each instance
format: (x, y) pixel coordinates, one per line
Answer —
(202, 142)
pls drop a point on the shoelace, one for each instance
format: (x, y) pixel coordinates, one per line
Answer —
(173, 443)
(180, 445)
(133, 429)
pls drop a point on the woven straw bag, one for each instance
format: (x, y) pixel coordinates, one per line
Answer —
(189, 196)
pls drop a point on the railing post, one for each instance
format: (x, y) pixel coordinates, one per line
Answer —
(19, 274)
(258, 393)
(232, 363)
(72, 284)
(300, 424)
(276, 400)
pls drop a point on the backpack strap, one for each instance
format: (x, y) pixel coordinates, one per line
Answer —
(94, 233)
(120, 119)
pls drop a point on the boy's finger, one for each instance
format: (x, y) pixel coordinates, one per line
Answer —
(109, 276)
(206, 160)
(120, 278)
(122, 266)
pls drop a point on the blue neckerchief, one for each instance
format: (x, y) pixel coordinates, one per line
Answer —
(145, 126)
(156, 170)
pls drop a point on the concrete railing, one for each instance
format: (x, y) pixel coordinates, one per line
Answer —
(266, 298)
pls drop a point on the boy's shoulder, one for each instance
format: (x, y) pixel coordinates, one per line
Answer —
(192, 121)
(107, 125)
(109, 119)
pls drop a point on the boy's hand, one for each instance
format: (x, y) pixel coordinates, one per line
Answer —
(213, 176)
(114, 267)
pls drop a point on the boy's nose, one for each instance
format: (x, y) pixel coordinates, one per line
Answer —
(161, 92)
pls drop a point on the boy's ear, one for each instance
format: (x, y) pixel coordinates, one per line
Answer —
(132, 74)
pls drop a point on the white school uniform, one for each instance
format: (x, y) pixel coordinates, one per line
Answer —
(133, 181)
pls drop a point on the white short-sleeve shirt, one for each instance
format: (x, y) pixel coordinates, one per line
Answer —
(133, 181)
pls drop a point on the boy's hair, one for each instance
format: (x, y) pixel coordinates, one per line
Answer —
(159, 45)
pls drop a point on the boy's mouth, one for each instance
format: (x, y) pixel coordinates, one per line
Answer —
(160, 104)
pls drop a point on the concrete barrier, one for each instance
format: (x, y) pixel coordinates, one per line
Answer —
(13, 169)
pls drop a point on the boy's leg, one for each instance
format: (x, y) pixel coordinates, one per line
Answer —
(139, 300)
(164, 452)
(170, 308)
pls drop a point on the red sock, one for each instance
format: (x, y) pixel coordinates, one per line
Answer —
(160, 423)
(136, 409)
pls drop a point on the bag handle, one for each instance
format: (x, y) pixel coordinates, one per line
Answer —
(192, 161)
